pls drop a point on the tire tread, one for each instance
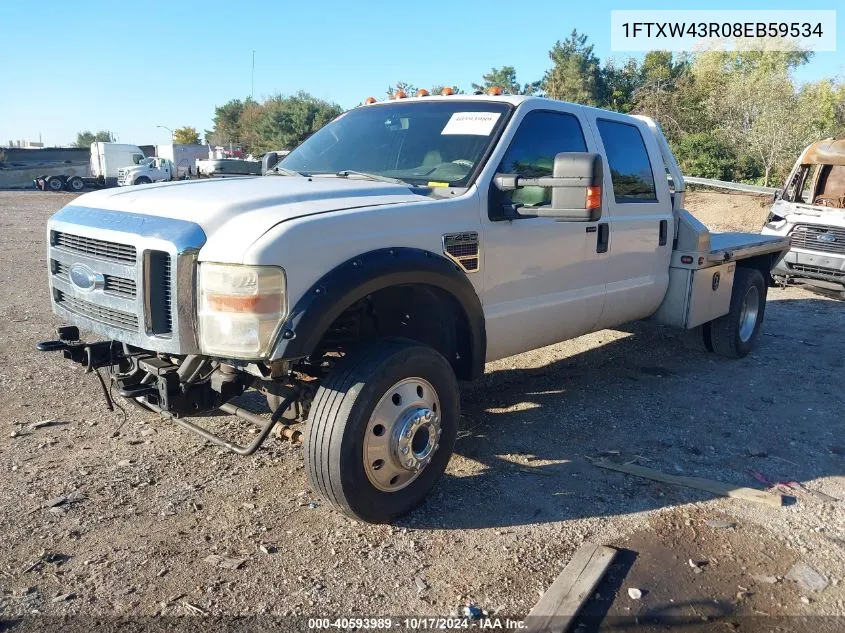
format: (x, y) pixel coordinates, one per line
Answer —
(327, 420)
(723, 331)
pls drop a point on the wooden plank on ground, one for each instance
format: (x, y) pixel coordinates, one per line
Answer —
(558, 607)
(708, 485)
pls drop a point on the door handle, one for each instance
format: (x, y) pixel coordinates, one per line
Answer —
(664, 232)
(603, 237)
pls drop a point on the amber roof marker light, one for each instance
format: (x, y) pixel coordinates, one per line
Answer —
(422, 92)
(447, 91)
(399, 94)
(370, 100)
(494, 91)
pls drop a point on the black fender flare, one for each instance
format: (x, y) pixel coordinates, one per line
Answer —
(367, 273)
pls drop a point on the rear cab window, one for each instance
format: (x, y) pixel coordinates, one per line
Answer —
(630, 167)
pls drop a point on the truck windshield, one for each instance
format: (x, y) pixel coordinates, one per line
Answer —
(417, 142)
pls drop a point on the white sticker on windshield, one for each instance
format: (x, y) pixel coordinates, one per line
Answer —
(475, 123)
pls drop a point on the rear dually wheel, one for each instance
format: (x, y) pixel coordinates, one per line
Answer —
(735, 334)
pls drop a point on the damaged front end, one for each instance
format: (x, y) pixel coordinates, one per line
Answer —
(183, 386)
(132, 279)
(811, 212)
(179, 387)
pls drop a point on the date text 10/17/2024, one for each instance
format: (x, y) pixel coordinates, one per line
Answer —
(415, 623)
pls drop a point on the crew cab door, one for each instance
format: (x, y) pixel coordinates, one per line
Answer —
(544, 279)
(639, 212)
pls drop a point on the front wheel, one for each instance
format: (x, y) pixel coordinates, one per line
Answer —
(735, 334)
(142, 180)
(381, 429)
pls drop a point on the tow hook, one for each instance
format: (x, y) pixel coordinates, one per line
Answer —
(91, 355)
(66, 333)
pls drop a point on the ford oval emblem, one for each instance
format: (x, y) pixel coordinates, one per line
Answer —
(826, 237)
(85, 279)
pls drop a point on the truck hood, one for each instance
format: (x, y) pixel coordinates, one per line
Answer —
(235, 212)
(784, 208)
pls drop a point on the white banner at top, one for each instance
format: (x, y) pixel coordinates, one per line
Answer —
(706, 30)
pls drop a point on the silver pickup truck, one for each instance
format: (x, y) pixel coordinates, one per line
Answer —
(390, 255)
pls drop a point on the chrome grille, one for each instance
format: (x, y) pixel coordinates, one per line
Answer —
(109, 316)
(120, 286)
(142, 269)
(101, 249)
(114, 285)
(825, 239)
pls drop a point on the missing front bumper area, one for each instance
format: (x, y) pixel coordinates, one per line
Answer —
(193, 385)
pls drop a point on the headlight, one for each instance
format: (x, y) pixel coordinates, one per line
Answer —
(240, 309)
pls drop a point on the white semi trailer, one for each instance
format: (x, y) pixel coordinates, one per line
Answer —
(106, 161)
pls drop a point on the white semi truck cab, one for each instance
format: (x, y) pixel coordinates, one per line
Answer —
(386, 258)
(149, 170)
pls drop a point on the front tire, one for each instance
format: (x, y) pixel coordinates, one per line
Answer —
(142, 180)
(381, 429)
(735, 334)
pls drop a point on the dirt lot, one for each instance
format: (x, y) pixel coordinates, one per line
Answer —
(146, 502)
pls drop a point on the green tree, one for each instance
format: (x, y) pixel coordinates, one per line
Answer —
(705, 155)
(86, 137)
(226, 123)
(823, 104)
(668, 94)
(287, 121)
(186, 135)
(752, 100)
(575, 74)
(505, 78)
(619, 83)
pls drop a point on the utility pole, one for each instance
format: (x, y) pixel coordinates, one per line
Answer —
(164, 127)
(252, 84)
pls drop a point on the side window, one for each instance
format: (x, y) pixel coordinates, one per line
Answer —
(630, 168)
(541, 135)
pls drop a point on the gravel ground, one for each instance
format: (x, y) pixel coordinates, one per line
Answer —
(146, 503)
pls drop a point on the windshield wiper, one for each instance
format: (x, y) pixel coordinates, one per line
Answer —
(284, 171)
(345, 173)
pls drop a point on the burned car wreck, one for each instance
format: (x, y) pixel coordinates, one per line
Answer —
(811, 211)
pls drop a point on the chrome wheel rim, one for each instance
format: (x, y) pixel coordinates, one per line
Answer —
(748, 315)
(402, 435)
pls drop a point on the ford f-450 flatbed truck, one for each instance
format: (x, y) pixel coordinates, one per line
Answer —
(389, 256)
